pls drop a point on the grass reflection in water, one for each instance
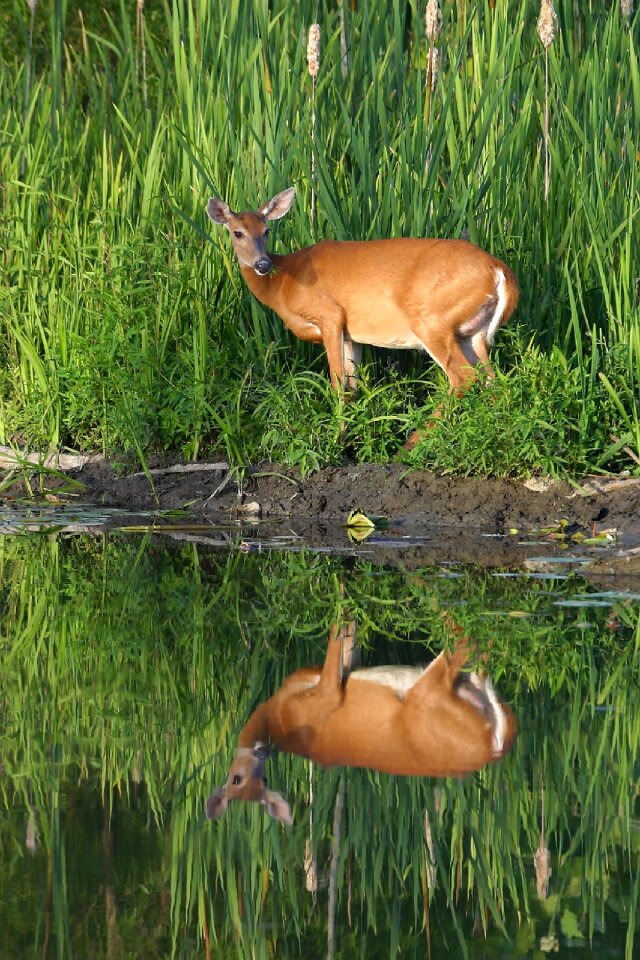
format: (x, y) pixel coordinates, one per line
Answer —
(129, 668)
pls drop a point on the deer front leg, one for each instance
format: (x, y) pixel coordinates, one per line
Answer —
(333, 339)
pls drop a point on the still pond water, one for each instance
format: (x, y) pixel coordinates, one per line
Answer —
(129, 664)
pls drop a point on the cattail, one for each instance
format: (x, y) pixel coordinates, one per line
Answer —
(310, 868)
(313, 50)
(433, 67)
(543, 871)
(541, 857)
(32, 4)
(431, 871)
(313, 61)
(344, 46)
(140, 45)
(546, 31)
(433, 25)
(433, 20)
(626, 9)
(31, 836)
(547, 23)
(83, 34)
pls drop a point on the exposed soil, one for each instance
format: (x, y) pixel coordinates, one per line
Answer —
(455, 519)
(443, 518)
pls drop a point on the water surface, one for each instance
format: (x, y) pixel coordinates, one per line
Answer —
(130, 662)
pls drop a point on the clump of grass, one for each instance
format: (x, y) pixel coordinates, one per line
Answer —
(538, 417)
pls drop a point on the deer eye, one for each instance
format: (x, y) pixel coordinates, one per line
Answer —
(266, 233)
(237, 779)
(238, 234)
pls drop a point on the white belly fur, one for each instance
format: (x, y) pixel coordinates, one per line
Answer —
(407, 341)
(400, 678)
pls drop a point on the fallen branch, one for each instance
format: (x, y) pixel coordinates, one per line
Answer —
(629, 452)
(184, 468)
(10, 458)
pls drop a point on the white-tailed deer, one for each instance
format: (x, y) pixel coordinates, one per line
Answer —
(447, 297)
(433, 722)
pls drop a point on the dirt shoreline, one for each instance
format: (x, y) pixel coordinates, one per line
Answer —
(463, 519)
(451, 518)
(403, 495)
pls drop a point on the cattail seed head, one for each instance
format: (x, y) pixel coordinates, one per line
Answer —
(541, 860)
(547, 23)
(433, 19)
(626, 9)
(313, 50)
(435, 56)
(32, 5)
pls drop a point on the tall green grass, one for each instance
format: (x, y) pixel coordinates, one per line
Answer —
(125, 323)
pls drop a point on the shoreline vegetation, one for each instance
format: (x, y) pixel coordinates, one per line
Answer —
(126, 328)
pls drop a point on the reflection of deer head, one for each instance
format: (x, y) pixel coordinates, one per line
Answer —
(432, 722)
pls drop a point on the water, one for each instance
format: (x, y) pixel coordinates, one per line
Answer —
(131, 661)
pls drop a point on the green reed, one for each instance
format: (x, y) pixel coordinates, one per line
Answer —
(125, 323)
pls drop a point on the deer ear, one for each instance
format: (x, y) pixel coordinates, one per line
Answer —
(276, 208)
(216, 804)
(277, 807)
(219, 211)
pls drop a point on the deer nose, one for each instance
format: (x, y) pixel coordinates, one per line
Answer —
(262, 266)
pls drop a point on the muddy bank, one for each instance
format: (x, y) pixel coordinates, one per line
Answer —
(461, 519)
(446, 519)
(414, 498)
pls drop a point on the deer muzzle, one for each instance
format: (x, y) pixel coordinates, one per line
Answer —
(262, 266)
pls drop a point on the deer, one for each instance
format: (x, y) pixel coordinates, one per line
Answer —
(446, 297)
(437, 721)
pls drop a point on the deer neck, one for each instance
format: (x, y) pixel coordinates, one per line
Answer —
(256, 729)
(265, 289)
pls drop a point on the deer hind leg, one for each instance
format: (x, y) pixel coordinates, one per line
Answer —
(459, 365)
(350, 652)
(476, 351)
(447, 351)
(480, 347)
(306, 708)
(477, 332)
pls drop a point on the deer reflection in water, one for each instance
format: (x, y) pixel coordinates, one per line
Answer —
(436, 721)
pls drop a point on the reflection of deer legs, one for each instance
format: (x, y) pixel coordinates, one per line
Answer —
(442, 674)
(339, 661)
